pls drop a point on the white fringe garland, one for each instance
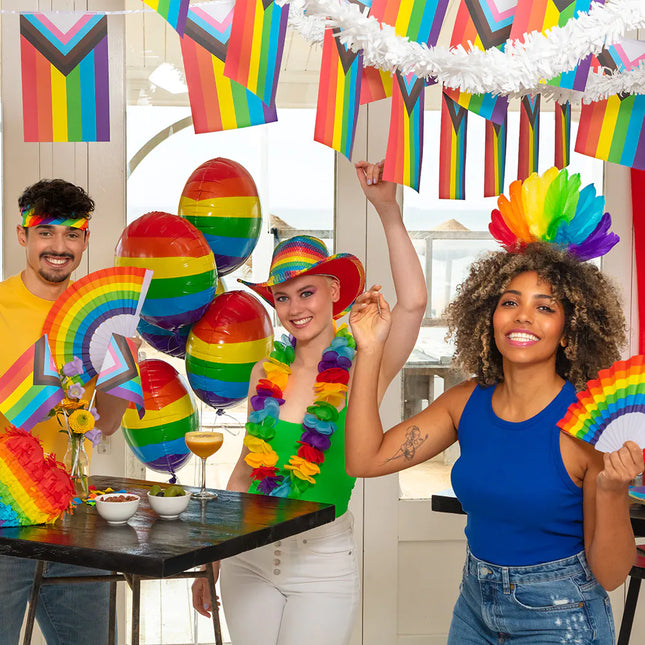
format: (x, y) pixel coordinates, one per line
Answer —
(516, 71)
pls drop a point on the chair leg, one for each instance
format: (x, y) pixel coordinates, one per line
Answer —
(630, 610)
(136, 600)
(33, 601)
(112, 623)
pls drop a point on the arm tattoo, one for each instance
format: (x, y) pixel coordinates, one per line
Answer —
(408, 448)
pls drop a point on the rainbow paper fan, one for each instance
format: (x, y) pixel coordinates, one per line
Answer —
(34, 488)
(611, 410)
(83, 319)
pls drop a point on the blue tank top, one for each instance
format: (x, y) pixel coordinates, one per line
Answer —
(523, 507)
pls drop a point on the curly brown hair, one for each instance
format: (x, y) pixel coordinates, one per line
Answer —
(594, 323)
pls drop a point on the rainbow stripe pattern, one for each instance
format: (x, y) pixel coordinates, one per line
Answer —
(216, 102)
(255, 47)
(339, 92)
(157, 440)
(34, 489)
(29, 220)
(65, 82)
(119, 375)
(173, 11)
(183, 265)
(611, 409)
(83, 318)
(222, 348)
(614, 130)
(221, 200)
(562, 134)
(452, 149)
(529, 144)
(623, 56)
(495, 158)
(552, 208)
(420, 21)
(542, 15)
(376, 84)
(31, 387)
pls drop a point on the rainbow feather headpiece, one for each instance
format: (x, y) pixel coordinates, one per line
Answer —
(552, 208)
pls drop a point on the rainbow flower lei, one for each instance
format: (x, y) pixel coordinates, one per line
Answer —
(318, 425)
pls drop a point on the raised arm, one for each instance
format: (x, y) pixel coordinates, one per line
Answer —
(409, 283)
(368, 451)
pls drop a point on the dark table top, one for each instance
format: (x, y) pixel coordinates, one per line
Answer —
(150, 546)
(446, 502)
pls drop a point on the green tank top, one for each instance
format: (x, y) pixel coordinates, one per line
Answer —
(333, 484)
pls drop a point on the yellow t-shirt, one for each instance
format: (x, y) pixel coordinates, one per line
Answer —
(22, 315)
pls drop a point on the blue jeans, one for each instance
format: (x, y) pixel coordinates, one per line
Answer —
(75, 614)
(543, 604)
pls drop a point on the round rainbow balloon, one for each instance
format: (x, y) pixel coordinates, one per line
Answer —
(157, 440)
(220, 198)
(222, 348)
(185, 276)
(169, 342)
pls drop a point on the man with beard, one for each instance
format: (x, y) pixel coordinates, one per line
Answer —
(54, 233)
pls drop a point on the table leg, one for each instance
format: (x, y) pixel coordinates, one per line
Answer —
(33, 601)
(214, 607)
(628, 613)
(136, 598)
(112, 623)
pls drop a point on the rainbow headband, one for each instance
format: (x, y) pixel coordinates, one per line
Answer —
(29, 220)
(552, 208)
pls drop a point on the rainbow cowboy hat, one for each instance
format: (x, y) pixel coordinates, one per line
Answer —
(304, 254)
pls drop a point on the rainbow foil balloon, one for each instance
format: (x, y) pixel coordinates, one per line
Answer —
(222, 348)
(157, 440)
(220, 198)
(34, 489)
(169, 342)
(185, 276)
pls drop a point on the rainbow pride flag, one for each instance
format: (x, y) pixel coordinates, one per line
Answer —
(623, 56)
(452, 149)
(65, 83)
(119, 374)
(216, 102)
(376, 84)
(529, 145)
(614, 130)
(495, 158)
(338, 95)
(31, 387)
(562, 134)
(174, 11)
(542, 15)
(255, 47)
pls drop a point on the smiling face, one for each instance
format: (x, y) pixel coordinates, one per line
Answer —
(53, 252)
(528, 321)
(304, 304)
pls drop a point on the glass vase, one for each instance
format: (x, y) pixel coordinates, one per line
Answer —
(77, 463)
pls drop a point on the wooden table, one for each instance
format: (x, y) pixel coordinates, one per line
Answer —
(150, 547)
(446, 502)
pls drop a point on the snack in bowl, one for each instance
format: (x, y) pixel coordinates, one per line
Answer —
(117, 508)
(168, 503)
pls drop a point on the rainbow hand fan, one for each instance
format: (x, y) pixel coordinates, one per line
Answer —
(611, 410)
(81, 322)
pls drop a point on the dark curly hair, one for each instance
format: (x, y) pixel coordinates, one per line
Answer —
(594, 323)
(58, 198)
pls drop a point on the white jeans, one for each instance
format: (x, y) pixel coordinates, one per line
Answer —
(300, 590)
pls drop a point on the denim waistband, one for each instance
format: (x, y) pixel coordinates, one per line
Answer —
(574, 565)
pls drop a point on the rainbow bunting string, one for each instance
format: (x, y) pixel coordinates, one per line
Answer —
(31, 387)
(255, 46)
(174, 11)
(613, 130)
(452, 149)
(375, 85)
(529, 144)
(562, 134)
(338, 95)
(65, 82)
(216, 102)
(495, 158)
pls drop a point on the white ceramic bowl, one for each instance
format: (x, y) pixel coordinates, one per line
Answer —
(116, 512)
(169, 508)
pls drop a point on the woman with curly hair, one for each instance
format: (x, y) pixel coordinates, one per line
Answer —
(548, 525)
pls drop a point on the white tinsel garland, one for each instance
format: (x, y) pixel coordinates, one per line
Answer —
(516, 71)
